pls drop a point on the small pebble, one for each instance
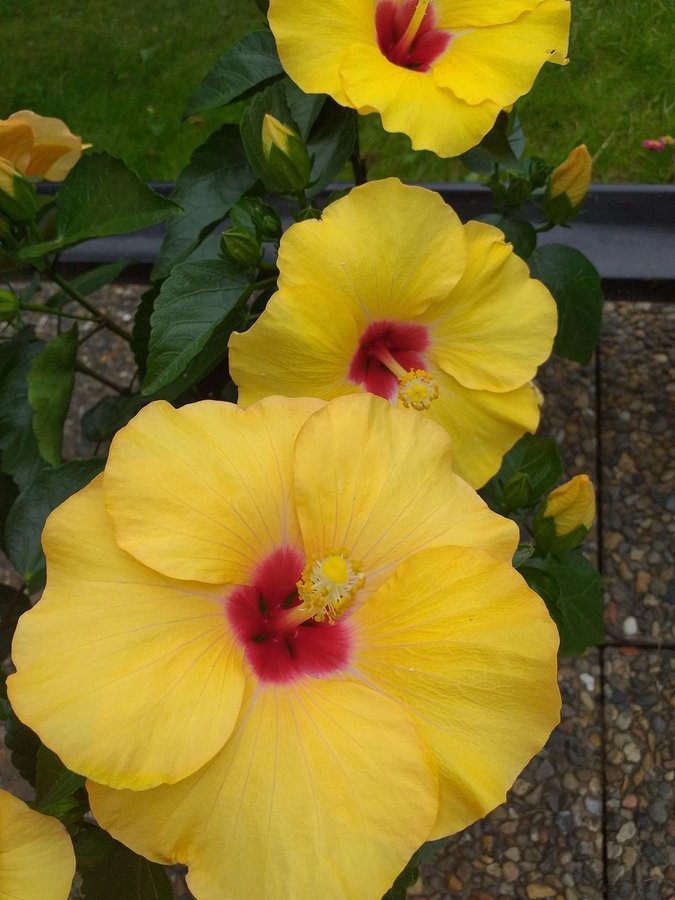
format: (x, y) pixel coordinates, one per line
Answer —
(630, 626)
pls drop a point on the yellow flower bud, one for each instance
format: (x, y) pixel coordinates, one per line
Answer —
(275, 133)
(39, 146)
(571, 505)
(7, 173)
(572, 177)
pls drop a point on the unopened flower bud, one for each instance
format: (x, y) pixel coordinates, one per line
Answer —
(286, 155)
(572, 505)
(569, 185)
(240, 246)
(9, 306)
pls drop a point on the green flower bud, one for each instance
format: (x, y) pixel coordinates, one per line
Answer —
(286, 156)
(240, 246)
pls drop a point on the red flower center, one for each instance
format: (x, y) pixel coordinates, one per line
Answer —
(378, 344)
(404, 44)
(279, 652)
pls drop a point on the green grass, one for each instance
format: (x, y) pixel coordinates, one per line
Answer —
(120, 73)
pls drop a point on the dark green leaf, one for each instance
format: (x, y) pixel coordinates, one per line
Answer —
(54, 782)
(304, 108)
(140, 335)
(522, 554)
(193, 302)
(331, 143)
(8, 494)
(101, 197)
(27, 516)
(572, 590)
(247, 65)
(517, 232)
(218, 175)
(13, 602)
(50, 386)
(88, 282)
(18, 445)
(110, 871)
(576, 288)
(495, 148)
(109, 415)
(22, 743)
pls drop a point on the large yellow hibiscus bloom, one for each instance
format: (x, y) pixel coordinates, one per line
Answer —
(437, 70)
(390, 293)
(286, 644)
(36, 855)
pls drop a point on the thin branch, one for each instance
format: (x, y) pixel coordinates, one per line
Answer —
(72, 291)
(85, 370)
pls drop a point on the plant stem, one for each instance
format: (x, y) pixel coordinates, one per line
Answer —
(82, 367)
(36, 307)
(91, 307)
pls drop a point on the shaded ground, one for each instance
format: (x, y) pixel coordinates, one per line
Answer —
(589, 817)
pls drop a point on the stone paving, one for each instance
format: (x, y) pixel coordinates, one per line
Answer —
(591, 816)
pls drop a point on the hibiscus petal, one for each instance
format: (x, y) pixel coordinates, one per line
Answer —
(459, 639)
(36, 855)
(483, 425)
(501, 62)
(312, 37)
(388, 250)
(414, 103)
(133, 679)
(201, 492)
(324, 790)
(300, 345)
(452, 15)
(16, 143)
(378, 482)
(498, 324)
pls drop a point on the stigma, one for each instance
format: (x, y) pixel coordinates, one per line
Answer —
(329, 585)
(417, 390)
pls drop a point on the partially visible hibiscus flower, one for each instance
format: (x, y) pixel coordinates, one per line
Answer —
(36, 855)
(39, 146)
(287, 645)
(389, 293)
(439, 71)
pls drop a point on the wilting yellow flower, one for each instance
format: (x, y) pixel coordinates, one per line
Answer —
(438, 70)
(390, 293)
(571, 505)
(288, 645)
(36, 856)
(39, 146)
(573, 177)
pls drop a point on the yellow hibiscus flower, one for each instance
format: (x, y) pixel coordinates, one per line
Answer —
(287, 645)
(39, 146)
(390, 293)
(439, 71)
(36, 856)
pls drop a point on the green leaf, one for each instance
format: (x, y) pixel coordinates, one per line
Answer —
(13, 602)
(217, 176)
(494, 149)
(247, 65)
(56, 788)
(88, 282)
(517, 232)
(27, 516)
(110, 871)
(22, 743)
(522, 554)
(194, 300)
(19, 451)
(8, 494)
(140, 335)
(101, 197)
(109, 415)
(576, 288)
(50, 387)
(528, 471)
(572, 590)
(330, 144)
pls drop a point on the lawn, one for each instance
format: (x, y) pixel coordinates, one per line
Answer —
(120, 74)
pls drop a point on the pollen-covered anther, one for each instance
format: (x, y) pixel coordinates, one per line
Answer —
(417, 389)
(329, 585)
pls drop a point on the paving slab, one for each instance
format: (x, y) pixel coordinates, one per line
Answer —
(547, 839)
(640, 769)
(637, 388)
